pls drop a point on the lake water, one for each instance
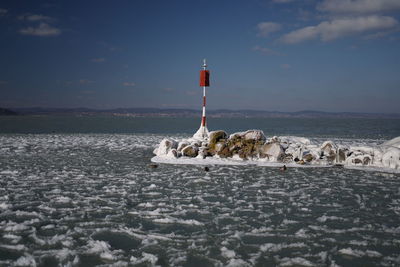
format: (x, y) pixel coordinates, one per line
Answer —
(78, 191)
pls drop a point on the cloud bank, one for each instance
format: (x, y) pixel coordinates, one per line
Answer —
(337, 28)
(359, 6)
(340, 18)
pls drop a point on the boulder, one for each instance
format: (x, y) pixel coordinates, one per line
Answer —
(196, 143)
(217, 140)
(164, 147)
(224, 151)
(182, 144)
(256, 135)
(342, 154)
(328, 151)
(215, 136)
(308, 157)
(235, 139)
(273, 151)
(246, 151)
(391, 158)
(367, 160)
(190, 151)
(364, 160)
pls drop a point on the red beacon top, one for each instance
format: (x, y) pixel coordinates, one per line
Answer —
(204, 76)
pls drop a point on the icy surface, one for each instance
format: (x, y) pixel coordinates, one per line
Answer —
(84, 200)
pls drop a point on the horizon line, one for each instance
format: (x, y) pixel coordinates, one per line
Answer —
(195, 110)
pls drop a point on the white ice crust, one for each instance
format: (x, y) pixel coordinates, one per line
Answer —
(375, 157)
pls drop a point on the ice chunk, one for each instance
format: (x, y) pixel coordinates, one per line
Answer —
(26, 260)
(227, 253)
(146, 257)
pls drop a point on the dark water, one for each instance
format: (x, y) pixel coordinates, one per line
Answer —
(346, 128)
(90, 199)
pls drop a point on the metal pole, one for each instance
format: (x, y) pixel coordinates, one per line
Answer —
(203, 120)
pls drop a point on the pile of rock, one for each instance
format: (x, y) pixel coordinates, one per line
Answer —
(253, 145)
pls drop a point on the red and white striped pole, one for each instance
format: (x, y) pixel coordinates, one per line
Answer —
(202, 133)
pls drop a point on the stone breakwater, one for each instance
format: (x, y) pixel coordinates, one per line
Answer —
(254, 146)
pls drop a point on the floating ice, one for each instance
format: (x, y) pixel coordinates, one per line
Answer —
(146, 257)
(297, 261)
(59, 194)
(178, 221)
(100, 247)
(359, 253)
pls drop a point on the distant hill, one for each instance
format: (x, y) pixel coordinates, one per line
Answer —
(4, 112)
(225, 113)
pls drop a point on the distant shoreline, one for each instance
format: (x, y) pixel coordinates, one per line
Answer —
(179, 113)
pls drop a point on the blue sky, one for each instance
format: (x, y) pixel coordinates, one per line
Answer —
(283, 55)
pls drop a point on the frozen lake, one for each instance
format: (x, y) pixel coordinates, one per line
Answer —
(85, 196)
(91, 199)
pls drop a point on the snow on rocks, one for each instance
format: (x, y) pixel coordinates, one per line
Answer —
(165, 147)
(253, 147)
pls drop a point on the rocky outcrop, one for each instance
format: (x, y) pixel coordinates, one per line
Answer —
(252, 145)
(246, 145)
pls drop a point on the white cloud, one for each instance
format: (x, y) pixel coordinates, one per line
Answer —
(358, 6)
(34, 17)
(43, 29)
(337, 28)
(265, 28)
(266, 51)
(3, 11)
(131, 84)
(98, 60)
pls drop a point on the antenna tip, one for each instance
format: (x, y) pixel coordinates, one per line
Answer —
(204, 63)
